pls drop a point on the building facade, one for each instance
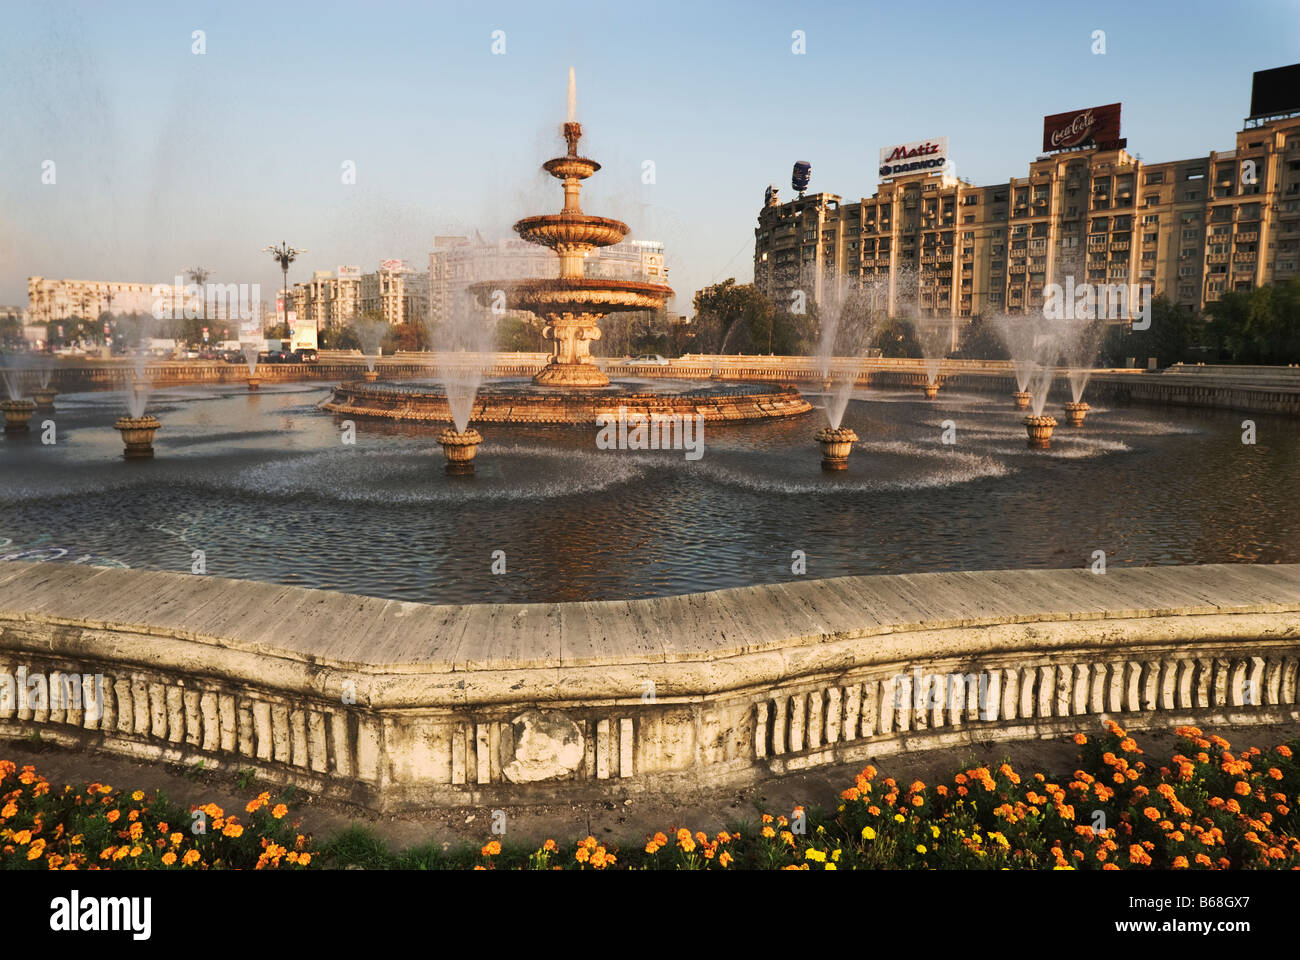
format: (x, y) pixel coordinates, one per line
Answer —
(336, 298)
(1193, 229)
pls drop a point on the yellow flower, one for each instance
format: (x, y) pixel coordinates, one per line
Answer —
(138, 796)
(920, 848)
(868, 833)
(934, 831)
(899, 818)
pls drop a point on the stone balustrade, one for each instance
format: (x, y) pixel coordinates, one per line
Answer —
(398, 705)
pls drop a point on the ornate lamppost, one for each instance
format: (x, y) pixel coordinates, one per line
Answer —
(284, 255)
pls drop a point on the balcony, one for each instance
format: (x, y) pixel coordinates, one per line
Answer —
(1217, 258)
(1249, 237)
(1120, 245)
(1016, 268)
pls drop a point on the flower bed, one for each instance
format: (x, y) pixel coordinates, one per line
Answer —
(100, 828)
(1205, 808)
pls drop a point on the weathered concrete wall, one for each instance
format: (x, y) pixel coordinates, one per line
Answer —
(394, 704)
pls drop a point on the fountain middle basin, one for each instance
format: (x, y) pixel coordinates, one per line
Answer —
(523, 401)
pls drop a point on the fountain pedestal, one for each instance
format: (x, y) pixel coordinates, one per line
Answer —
(1022, 398)
(1076, 412)
(1040, 432)
(137, 435)
(931, 390)
(836, 444)
(253, 382)
(371, 376)
(460, 448)
(44, 398)
(18, 415)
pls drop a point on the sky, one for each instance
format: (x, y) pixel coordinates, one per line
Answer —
(166, 159)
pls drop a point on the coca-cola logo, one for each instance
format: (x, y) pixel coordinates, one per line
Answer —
(1075, 132)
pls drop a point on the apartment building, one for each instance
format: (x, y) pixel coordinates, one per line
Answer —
(336, 298)
(1194, 228)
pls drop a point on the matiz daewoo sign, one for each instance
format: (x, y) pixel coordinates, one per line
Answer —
(928, 156)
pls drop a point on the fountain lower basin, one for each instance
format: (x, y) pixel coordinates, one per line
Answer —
(836, 444)
(137, 436)
(18, 415)
(1040, 431)
(521, 401)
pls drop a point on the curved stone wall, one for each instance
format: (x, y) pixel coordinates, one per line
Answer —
(396, 705)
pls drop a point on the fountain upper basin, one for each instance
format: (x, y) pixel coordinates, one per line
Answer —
(552, 229)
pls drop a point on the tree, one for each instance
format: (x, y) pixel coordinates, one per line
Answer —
(734, 318)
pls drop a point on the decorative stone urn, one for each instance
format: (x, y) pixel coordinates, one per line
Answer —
(1040, 432)
(18, 414)
(931, 389)
(1076, 412)
(836, 446)
(137, 435)
(460, 449)
(371, 376)
(254, 382)
(44, 397)
(1022, 398)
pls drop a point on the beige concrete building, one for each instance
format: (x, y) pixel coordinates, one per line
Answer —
(56, 300)
(1193, 228)
(336, 298)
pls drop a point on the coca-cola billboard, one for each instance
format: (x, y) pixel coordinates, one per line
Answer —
(1094, 127)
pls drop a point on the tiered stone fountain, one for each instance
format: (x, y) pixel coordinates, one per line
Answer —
(572, 305)
(571, 388)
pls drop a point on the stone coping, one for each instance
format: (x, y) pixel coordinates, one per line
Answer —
(397, 705)
(761, 633)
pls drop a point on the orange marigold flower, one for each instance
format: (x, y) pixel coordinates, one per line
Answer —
(191, 857)
(1283, 750)
(491, 848)
(279, 811)
(1080, 739)
(1151, 813)
(168, 858)
(113, 815)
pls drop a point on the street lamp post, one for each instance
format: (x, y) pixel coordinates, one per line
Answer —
(284, 255)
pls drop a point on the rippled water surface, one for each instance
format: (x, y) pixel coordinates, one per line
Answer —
(263, 486)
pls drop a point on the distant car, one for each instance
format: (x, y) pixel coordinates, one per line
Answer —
(307, 355)
(188, 353)
(283, 356)
(650, 358)
(232, 356)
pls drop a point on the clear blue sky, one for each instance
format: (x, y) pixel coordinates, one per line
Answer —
(165, 159)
